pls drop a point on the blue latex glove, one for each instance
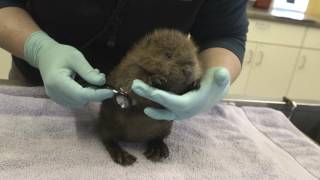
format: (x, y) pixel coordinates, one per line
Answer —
(58, 65)
(214, 86)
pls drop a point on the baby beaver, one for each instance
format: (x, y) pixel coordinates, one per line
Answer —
(165, 59)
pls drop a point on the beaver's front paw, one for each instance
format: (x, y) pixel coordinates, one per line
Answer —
(157, 151)
(196, 85)
(157, 81)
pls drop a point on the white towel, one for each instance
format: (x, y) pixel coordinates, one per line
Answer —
(42, 140)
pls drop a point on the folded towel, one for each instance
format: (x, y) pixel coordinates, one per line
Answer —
(42, 140)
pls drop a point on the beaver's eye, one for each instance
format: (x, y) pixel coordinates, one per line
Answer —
(168, 55)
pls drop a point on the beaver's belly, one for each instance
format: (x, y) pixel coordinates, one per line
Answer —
(137, 127)
(130, 125)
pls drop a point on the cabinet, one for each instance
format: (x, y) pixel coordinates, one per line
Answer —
(266, 72)
(239, 86)
(271, 71)
(5, 64)
(280, 60)
(312, 39)
(275, 33)
(305, 83)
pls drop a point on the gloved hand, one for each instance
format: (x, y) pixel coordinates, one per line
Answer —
(213, 87)
(58, 65)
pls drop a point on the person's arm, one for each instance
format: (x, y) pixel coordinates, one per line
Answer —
(57, 63)
(15, 27)
(220, 31)
(221, 57)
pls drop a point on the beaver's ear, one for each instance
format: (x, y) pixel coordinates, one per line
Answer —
(147, 40)
(195, 85)
(189, 36)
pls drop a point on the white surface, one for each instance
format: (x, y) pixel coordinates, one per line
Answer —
(298, 5)
(5, 64)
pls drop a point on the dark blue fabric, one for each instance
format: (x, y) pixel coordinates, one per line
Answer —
(212, 23)
(4, 3)
(222, 23)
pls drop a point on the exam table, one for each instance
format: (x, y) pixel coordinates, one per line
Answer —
(237, 139)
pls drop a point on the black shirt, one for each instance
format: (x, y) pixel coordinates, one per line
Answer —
(211, 23)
